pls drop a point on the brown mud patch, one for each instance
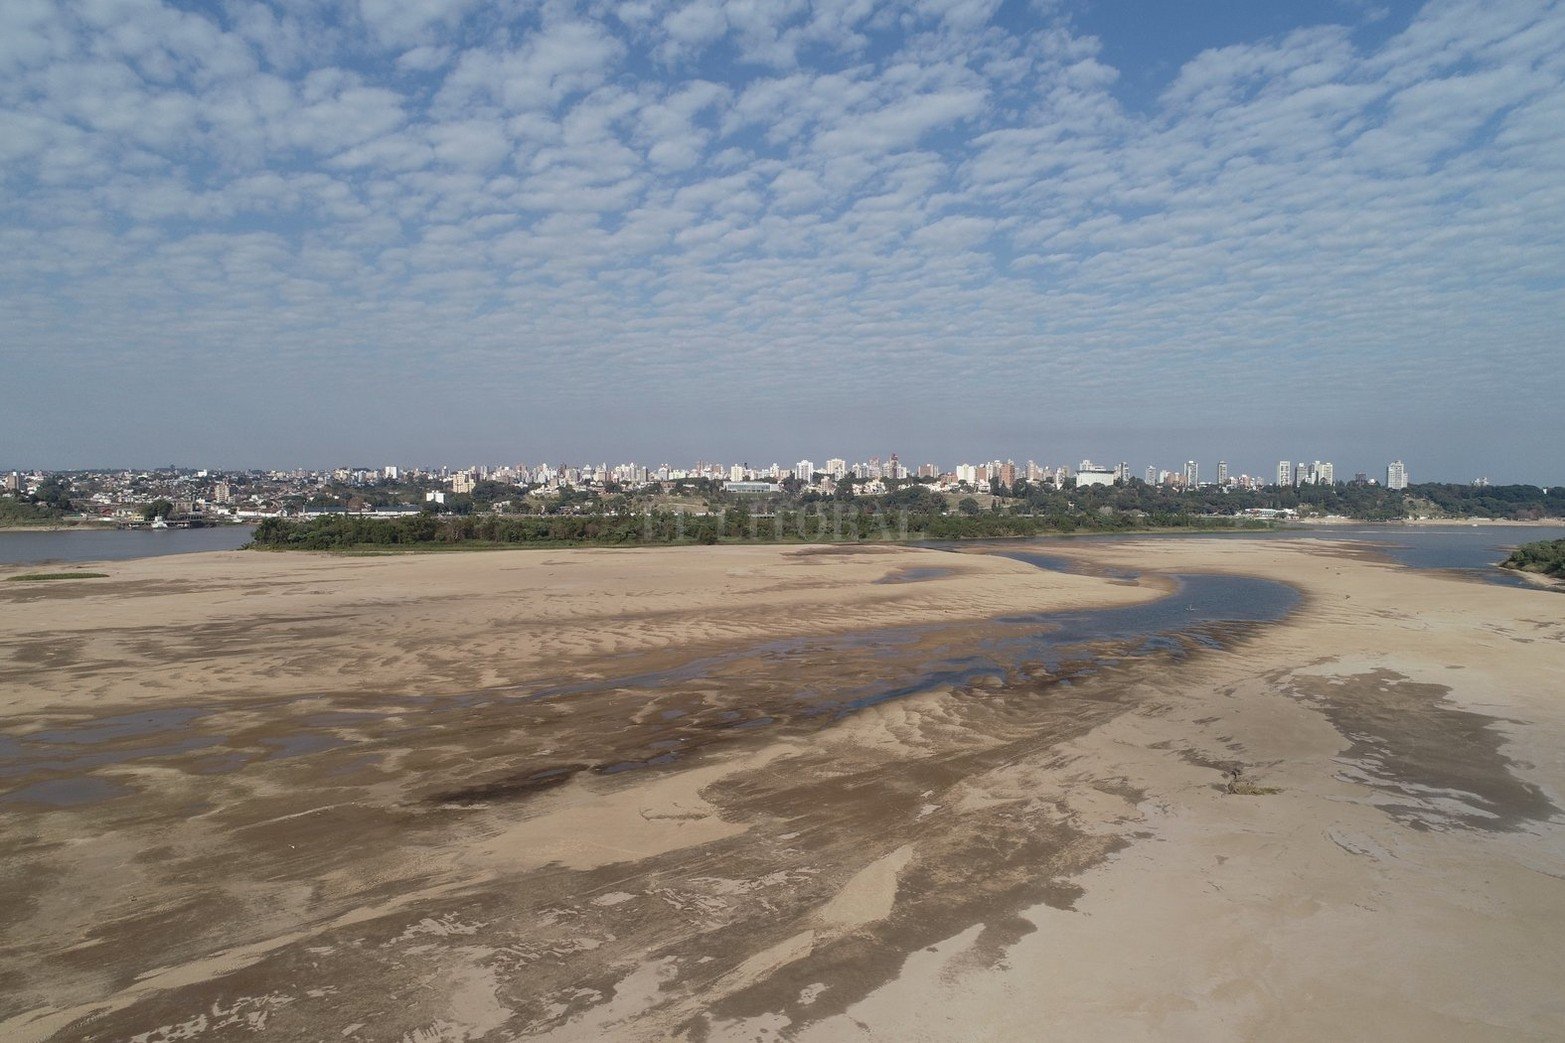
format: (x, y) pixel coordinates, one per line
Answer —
(204, 862)
(1436, 765)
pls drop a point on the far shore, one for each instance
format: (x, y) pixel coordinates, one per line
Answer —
(1504, 522)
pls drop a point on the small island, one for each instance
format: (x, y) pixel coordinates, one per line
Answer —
(1545, 557)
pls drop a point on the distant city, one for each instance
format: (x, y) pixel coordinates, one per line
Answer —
(125, 494)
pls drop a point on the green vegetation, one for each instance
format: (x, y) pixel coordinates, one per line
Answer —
(702, 511)
(1507, 502)
(39, 577)
(831, 523)
(159, 508)
(1545, 556)
(16, 512)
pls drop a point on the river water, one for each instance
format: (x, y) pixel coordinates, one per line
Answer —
(36, 548)
(56, 766)
(1473, 550)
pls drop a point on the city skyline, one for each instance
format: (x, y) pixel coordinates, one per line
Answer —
(357, 231)
(1395, 474)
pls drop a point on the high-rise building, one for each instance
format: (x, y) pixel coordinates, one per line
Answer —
(1222, 473)
(1152, 475)
(1008, 474)
(1396, 475)
(804, 470)
(1192, 474)
(837, 467)
(1325, 473)
(1284, 473)
(13, 482)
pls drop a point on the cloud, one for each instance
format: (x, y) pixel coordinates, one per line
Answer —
(633, 204)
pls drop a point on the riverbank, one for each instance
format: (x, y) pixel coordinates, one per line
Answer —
(1401, 877)
(239, 624)
(729, 792)
(1539, 523)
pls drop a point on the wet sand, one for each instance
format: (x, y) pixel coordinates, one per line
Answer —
(735, 792)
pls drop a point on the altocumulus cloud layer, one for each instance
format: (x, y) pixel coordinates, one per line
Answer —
(244, 233)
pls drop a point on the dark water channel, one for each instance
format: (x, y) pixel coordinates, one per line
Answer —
(52, 767)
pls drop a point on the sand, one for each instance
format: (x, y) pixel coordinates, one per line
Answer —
(251, 624)
(626, 795)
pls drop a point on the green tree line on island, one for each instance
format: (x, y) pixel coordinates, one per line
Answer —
(1359, 501)
(834, 523)
(1545, 556)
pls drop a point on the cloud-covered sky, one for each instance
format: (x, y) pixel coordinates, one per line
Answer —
(296, 232)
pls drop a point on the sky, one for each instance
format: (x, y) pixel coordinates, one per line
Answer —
(297, 233)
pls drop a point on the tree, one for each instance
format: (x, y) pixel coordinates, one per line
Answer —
(159, 508)
(968, 506)
(54, 492)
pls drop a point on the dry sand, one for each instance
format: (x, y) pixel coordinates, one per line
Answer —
(620, 795)
(249, 624)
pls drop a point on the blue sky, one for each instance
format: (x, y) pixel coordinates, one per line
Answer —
(286, 233)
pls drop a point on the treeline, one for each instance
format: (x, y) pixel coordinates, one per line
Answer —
(1349, 500)
(1545, 556)
(16, 510)
(1508, 502)
(836, 523)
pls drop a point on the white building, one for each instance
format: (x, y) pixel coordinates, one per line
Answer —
(1094, 475)
(1396, 475)
(804, 470)
(1284, 473)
